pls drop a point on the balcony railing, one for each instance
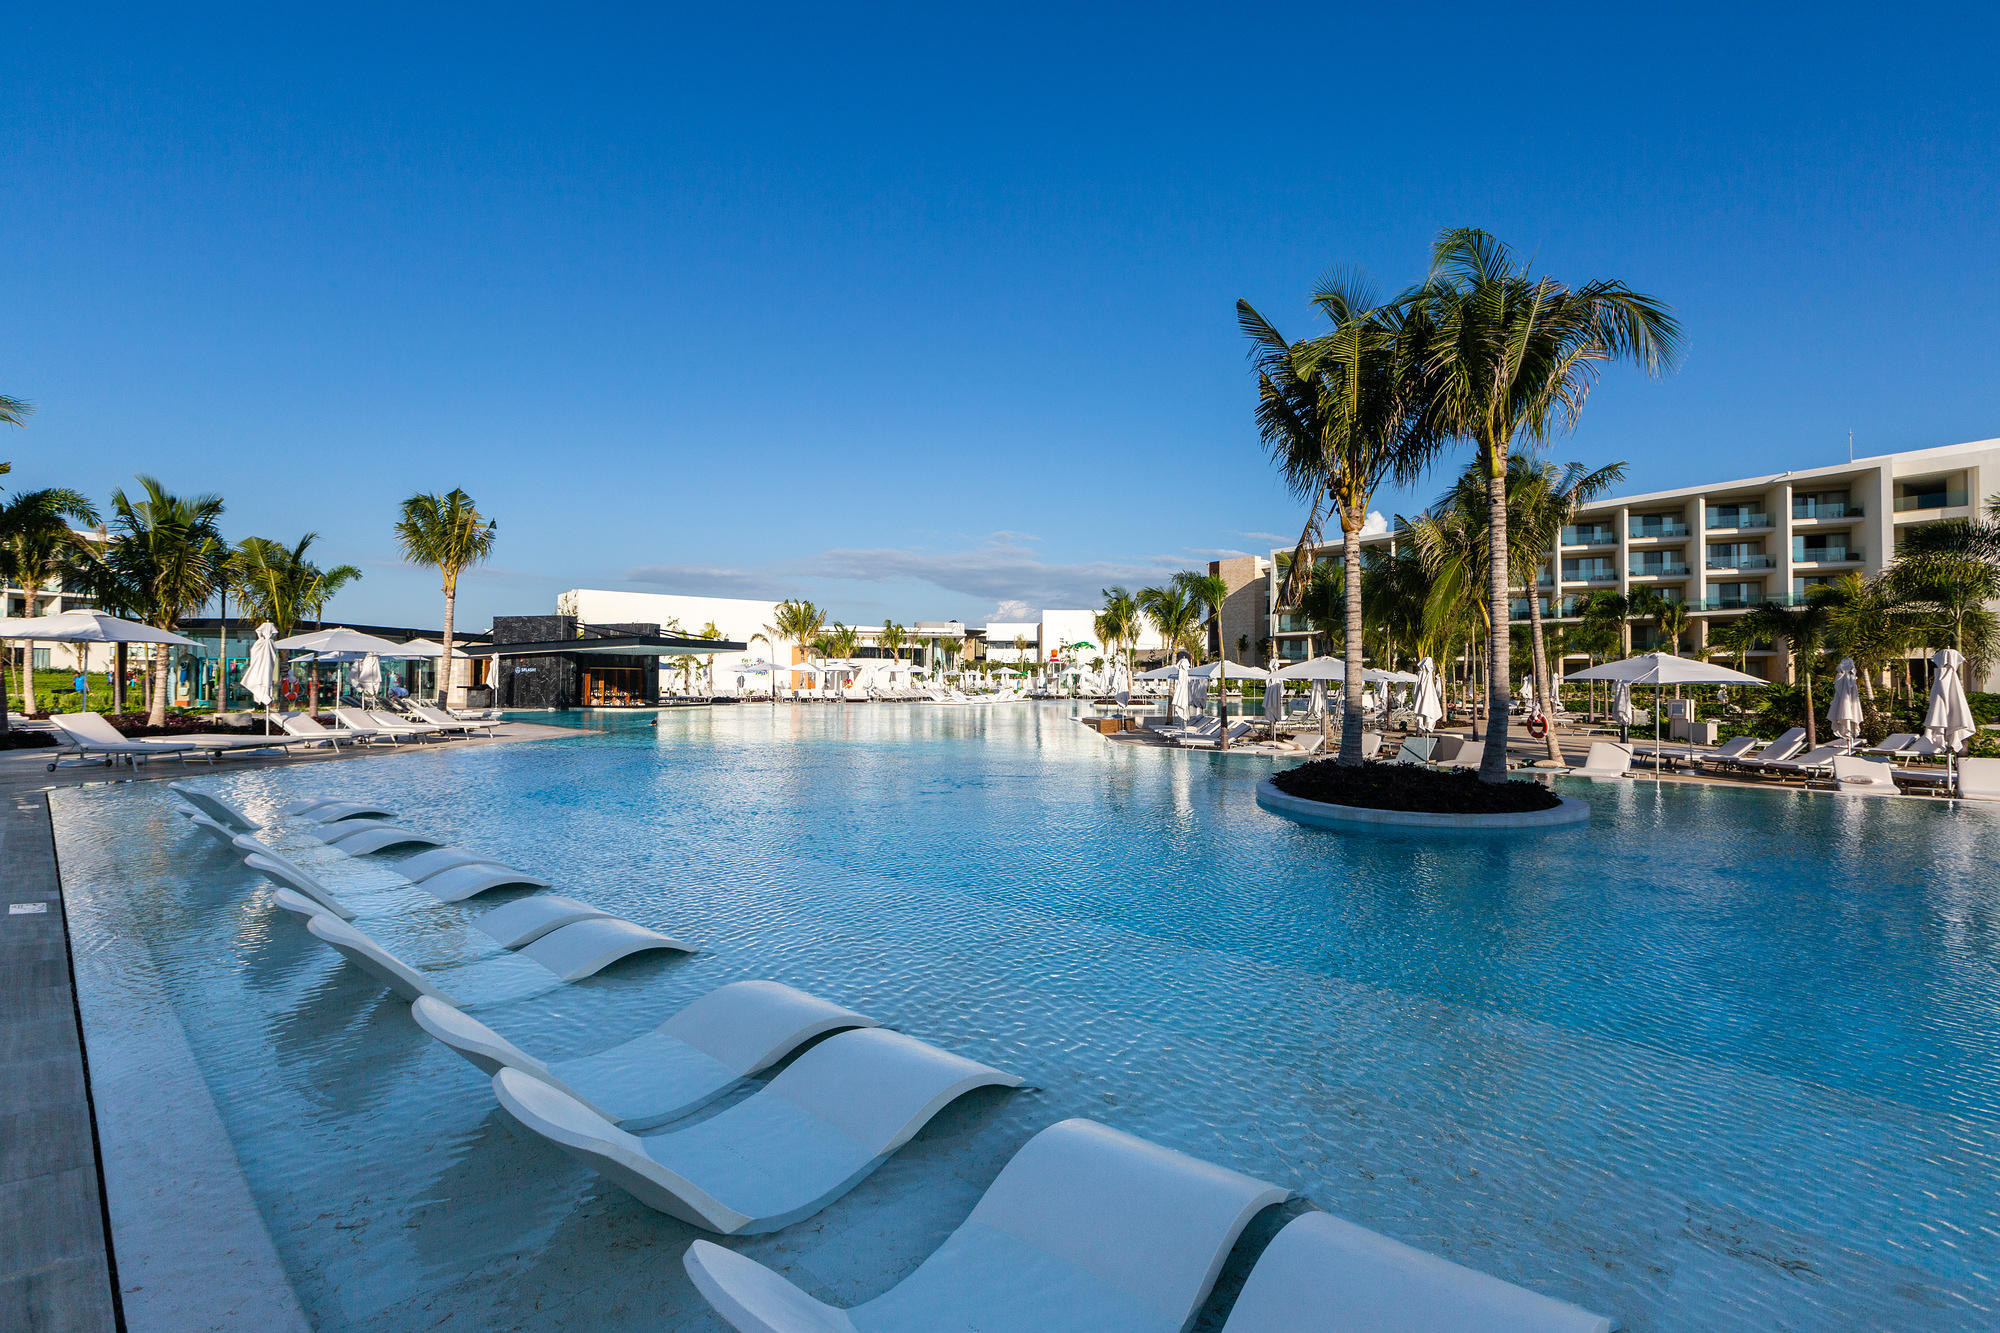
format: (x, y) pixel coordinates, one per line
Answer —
(1738, 519)
(1590, 574)
(1671, 528)
(1518, 608)
(1739, 562)
(1825, 555)
(1906, 504)
(1716, 601)
(1826, 509)
(1589, 536)
(1666, 569)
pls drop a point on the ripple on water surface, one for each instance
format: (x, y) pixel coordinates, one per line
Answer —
(1721, 1059)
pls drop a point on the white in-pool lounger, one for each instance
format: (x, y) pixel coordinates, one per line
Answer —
(359, 837)
(1086, 1229)
(727, 1035)
(569, 953)
(221, 811)
(807, 1137)
(1325, 1275)
(328, 811)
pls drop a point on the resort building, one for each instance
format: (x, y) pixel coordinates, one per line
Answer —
(1724, 548)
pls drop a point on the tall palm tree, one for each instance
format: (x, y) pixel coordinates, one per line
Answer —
(845, 640)
(892, 639)
(1803, 631)
(449, 534)
(1121, 611)
(1175, 617)
(281, 583)
(1671, 619)
(1951, 571)
(1207, 592)
(1873, 621)
(14, 412)
(1341, 413)
(797, 622)
(1508, 360)
(165, 557)
(38, 548)
(1323, 604)
(1394, 589)
(1543, 499)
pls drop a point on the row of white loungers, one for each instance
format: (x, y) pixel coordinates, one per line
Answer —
(1086, 1228)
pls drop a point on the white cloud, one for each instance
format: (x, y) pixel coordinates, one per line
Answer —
(1375, 523)
(1013, 610)
(1004, 567)
(701, 580)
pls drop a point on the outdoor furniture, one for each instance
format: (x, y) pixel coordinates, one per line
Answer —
(1979, 779)
(439, 718)
(1864, 777)
(309, 728)
(89, 736)
(1891, 745)
(569, 953)
(1322, 1274)
(725, 1036)
(1416, 750)
(213, 806)
(1818, 760)
(1784, 747)
(432, 729)
(354, 720)
(333, 812)
(1471, 754)
(1606, 759)
(807, 1137)
(526, 920)
(1085, 1229)
(359, 837)
(469, 881)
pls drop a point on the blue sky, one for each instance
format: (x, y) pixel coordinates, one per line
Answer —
(918, 312)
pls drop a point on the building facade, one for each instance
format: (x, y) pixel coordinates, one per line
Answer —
(1725, 548)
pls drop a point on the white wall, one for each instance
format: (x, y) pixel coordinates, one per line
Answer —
(737, 618)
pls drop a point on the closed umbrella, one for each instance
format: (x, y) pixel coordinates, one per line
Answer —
(1948, 722)
(1274, 703)
(1622, 710)
(1177, 701)
(1429, 703)
(368, 677)
(1845, 711)
(260, 673)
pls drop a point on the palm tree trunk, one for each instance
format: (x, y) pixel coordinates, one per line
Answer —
(156, 712)
(6, 702)
(1493, 767)
(120, 662)
(1350, 719)
(445, 662)
(1812, 738)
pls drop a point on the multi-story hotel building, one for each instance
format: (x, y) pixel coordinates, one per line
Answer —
(1727, 547)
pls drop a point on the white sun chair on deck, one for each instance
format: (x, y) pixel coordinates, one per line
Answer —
(725, 1036)
(1085, 1229)
(353, 719)
(360, 837)
(328, 811)
(1787, 745)
(1864, 777)
(309, 728)
(1893, 744)
(1979, 779)
(1811, 763)
(1325, 1275)
(88, 736)
(777, 1157)
(1470, 755)
(384, 719)
(1416, 750)
(1606, 759)
(569, 953)
(437, 717)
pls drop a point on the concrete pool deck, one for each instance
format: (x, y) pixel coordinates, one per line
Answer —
(58, 1262)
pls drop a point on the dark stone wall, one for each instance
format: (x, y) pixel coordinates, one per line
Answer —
(557, 682)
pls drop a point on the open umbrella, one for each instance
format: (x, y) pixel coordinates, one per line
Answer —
(1661, 669)
(1948, 722)
(260, 673)
(1845, 711)
(1428, 705)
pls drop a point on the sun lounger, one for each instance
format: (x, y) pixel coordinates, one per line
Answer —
(88, 736)
(1417, 750)
(437, 717)
(1979, 779)
(1085, 1229)
(727, 1035)
(1864, 777)
(332, 812)
(353, 719)
(221, 811)
(359, 837)
(1784, 747)
(385, 720)
(1815, 761)
(1371, 744)
(309, 728)
(1211, 739)
(1325, 1275)
(569, 953)
(1470, 755)
(1892, 745)
(1606, 759)
(526, 920)
(221, 833)
(809, 1136)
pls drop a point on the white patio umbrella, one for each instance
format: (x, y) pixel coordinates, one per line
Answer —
(341, 640)
(86, 627)
(1948, 722)
(1177, 701)
(1662, 669)
(1316, 700)
(260, 672)
(1428, 705)
(1314, 668)
(1845, 711)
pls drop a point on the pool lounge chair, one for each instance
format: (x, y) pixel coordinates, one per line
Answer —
(87, 736)
(777, 1157)
(1810, 764)
(359, 837)
(1417, 750)
(1606, 759)
(309, 728)
(1784, 747)
(1085, 1229)
(1892, 745)
(1211, 739)
(1864, 777)
(437, 717)
(1695, 755)
(421, 727)
(354, 720)
(1469, 755)
(327, 811)
(454, 874)
(1979, 779)
(725, 1036)
(221, 811)
(1325, 1275)
(569, 953)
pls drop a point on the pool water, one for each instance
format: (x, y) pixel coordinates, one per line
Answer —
(1720, 1059)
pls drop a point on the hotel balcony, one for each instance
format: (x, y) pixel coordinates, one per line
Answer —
(1740, 562)
(1601, 572)
(1652, 531)
(1665, 569)
(1716, 601)
(1599, 534)
(1735, 520)
(1937, 499)
(1826, 555)
(1812, 511)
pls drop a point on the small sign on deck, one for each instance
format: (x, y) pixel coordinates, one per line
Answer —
(26, 909)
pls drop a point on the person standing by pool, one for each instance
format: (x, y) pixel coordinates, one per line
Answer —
(82, 687)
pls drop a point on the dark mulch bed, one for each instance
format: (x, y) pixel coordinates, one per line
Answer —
(27, 740)
(134, 724)
(1406, 787)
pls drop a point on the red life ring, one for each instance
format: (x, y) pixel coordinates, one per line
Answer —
(1538, 726)
(290, 689)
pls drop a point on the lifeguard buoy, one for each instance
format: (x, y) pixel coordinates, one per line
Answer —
(1538, 726)
(290, 689)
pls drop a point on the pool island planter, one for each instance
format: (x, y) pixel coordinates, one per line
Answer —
(1325, 814)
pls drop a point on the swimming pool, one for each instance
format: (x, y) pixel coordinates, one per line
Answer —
(1721, 1059)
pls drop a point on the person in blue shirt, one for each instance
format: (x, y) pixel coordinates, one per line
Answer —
(82, 687)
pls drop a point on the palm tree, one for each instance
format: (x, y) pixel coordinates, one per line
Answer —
(1323, 604)
(1394, 590)
(1542, 500)
(892, 638)
(1950, 571)
(280, 584)
(37, 549)
(1207, 592)
(1340, 413)
(163, 560)
(1871, 621)
(1803, 630)
(1174, 616)
(1124, 618)
(1509, 358)
(796, 622)
(844, 641)
(1671, 619)
(449, 534)
(14, 412)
